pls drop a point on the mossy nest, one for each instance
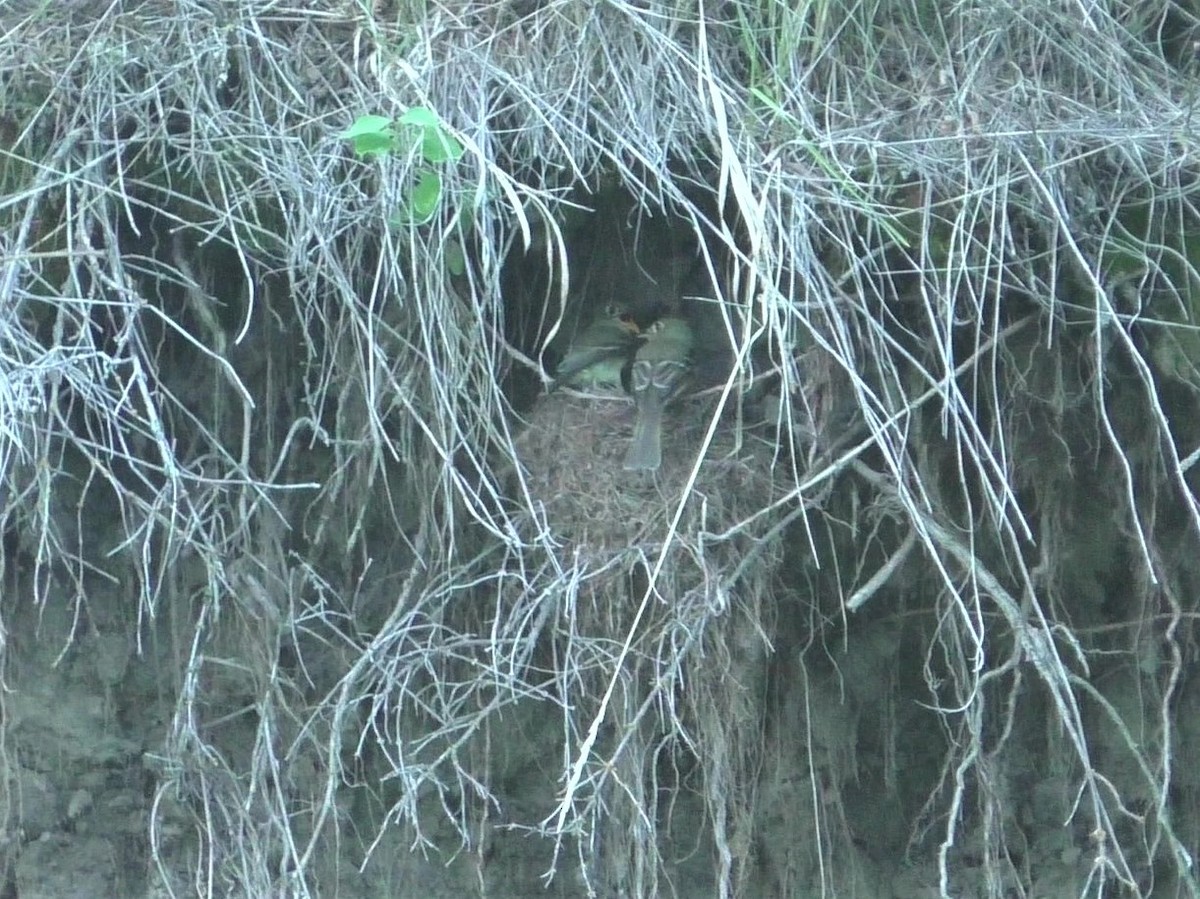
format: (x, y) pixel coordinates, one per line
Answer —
(572, 450)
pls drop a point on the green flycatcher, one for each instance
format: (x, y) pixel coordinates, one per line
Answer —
(606, 375)
(600, 351)
(659, 373)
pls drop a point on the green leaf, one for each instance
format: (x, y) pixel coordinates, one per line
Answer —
(456, 260)
(421, 116)
(438, 145)
(371, 135)
(425, 196)
(367, 124)
(373, 145)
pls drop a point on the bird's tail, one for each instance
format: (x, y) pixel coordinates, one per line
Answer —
(645, 450)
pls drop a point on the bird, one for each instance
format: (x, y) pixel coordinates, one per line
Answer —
(609, 375)
(599, 353)
(659, 373)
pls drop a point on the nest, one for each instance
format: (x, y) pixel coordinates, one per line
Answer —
(572, 452)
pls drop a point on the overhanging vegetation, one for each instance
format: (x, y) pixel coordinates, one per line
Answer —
(276, 445)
